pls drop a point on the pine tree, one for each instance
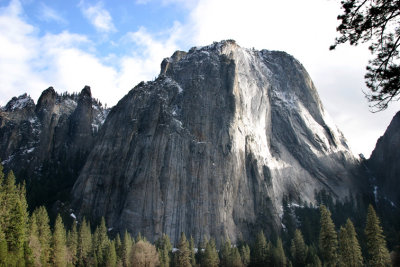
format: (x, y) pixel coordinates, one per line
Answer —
(376, 244)
(298, 249)
(349, 248)
(343, 249)
(312, 258)
(210, 257)
(236, 259)
(101, 242)
(110, 259)
(192, 252)
(245, 254)
(3, 247)
(33, 240)
(279, 254)
(43, 233)
(327, 238)
(84, 244)
(127, 244)
(260, 251)
(164, 249)
(183, 254)
(72, 245)
(118, 249)
(28, 259)
(3, 210)
(16, 223)
(59, 244)
(225, 254)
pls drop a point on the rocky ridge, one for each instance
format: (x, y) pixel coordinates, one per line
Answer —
(47, 143)
(384, 163)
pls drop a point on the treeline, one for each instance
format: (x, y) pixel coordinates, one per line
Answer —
(75, 96)
(29, 240)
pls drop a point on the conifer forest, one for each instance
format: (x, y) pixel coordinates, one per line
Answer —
(332, 234)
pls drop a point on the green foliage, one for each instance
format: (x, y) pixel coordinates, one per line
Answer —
(245, 254)
(13, 220)
(210, 257)
(327, 238)
(298, 249)
(110, 258)
(192, 252)
(127, 244)
(376, 244)
(164, 248)
(349, 248)
(72, 244)
(84, 244)
(182, 256)
(17, 218)
(40, 220)
(230, 255)
(3, 248)
(260, 250)
(225, 254)
(101, 242)
(279, 257)
(118, 249)
(59, 244)
(33, 244)
(312, 258)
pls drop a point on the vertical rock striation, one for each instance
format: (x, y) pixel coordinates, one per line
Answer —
(47, 144)
(211, 146)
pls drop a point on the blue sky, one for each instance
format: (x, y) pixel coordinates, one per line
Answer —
(113, 45)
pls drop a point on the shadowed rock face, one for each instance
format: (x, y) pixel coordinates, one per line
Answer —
(47, 144)
(385, 159)
(211, 146)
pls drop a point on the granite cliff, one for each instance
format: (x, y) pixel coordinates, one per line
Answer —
(384, 163)
(47, 143)
(211, 146)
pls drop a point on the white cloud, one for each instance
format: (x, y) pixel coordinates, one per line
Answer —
(98, 16)
(29, 63)
(48, 14)
(144, 63)
(18, 47)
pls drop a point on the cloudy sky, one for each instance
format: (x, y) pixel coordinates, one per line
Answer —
(113, 45)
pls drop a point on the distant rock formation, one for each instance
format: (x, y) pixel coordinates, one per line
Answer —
(385, 162)
(211, 146)
(47, 144)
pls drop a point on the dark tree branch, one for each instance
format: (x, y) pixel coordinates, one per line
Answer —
(372, 21)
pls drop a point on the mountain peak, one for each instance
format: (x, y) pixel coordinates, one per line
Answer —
(18, 103)
(86, 91)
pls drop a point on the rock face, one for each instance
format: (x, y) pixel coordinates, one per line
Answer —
(211, 146)
(385, 159)
(47, 144)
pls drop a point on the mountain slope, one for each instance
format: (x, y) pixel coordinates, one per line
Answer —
(385, 159)
(211, 146)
